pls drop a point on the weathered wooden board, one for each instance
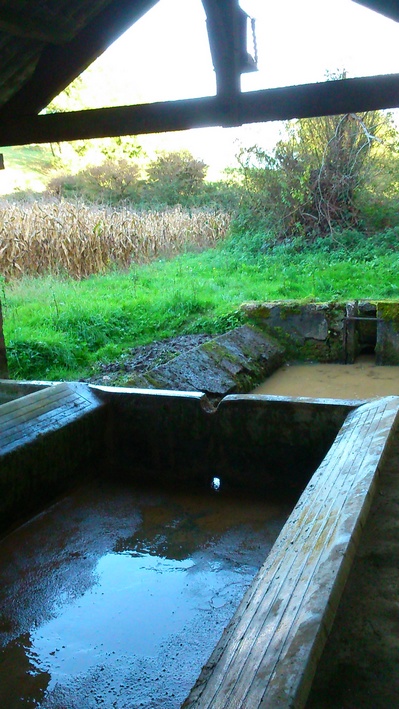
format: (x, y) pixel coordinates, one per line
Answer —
(32, 415)
(268, 654)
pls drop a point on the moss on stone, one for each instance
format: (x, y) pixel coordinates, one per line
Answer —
(387, 354)
(219, 353)
(258, 311)
(290, 309)
(388, 311)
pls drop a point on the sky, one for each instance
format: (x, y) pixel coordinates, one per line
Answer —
(166, 56)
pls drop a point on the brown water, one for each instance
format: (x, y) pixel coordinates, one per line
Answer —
(116, 598)
(362, 380)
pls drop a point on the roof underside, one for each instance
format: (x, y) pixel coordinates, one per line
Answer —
(45, 44)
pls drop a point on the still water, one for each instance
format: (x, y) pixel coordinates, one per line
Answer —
(115, 597)
(362, 380)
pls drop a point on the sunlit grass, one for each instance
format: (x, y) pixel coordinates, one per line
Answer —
(60, 328)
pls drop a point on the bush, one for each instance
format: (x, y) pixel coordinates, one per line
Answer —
(174, 178)
(334, 172)
(112, 181)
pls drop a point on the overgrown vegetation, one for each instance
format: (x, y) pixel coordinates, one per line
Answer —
(329, 174)
(317, 218)
(63, 329)
(124, 175)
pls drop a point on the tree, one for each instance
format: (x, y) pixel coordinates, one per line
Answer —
(316, 178)
(175, 178)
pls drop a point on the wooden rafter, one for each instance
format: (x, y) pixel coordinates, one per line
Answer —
(226, 24)
(60, 64)
(308, 100)
(222, 32)
(389, 8)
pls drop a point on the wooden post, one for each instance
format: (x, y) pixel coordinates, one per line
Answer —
(3, 354)
(350, 341)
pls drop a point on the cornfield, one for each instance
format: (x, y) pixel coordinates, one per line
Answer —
(80, 240)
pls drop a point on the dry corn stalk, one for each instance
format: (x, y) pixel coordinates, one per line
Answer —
(80, 240)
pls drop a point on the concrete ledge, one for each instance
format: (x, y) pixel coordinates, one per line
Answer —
(257, 443)
(233, 362)
(268, 654)
(47, 440)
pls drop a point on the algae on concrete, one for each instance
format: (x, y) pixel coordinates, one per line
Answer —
(234, 362)
(308, 331)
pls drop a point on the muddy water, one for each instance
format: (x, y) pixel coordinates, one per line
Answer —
(362, 380)
(116, 598)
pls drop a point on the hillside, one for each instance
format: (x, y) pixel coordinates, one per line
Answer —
(25, 168)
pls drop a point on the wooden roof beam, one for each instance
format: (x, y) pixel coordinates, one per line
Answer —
(61, 64)
(305, 101)
(227, 33)
(222, 20)
(389, 8)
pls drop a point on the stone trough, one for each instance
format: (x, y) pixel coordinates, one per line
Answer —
(327, 452)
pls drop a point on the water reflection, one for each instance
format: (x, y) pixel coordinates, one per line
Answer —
(157, 602)
(23, 680)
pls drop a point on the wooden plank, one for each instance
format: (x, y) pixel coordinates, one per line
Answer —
(268, 654)
(45, 410)
(22, 428)
(304, 101)
(31, 405)
(24, 434)
(265, 601)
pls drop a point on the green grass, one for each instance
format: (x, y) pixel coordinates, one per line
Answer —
(32, 158)
(62, 329)
(26, 169)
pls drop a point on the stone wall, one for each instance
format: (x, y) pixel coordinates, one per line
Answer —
(249, 442)
(310, 331)
(62, 435)
(231, 363)
(331, 332)
(51, 439)
(387, 349)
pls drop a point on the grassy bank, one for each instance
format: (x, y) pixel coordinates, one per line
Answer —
(59, 328)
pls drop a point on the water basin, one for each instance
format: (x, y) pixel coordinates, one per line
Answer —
(361, 380)
(115, 597)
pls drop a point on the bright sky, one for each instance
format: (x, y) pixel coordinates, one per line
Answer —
(165, 56)
(297, 41)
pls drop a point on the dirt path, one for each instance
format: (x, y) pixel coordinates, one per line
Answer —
(143, 358)
(359, 667)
